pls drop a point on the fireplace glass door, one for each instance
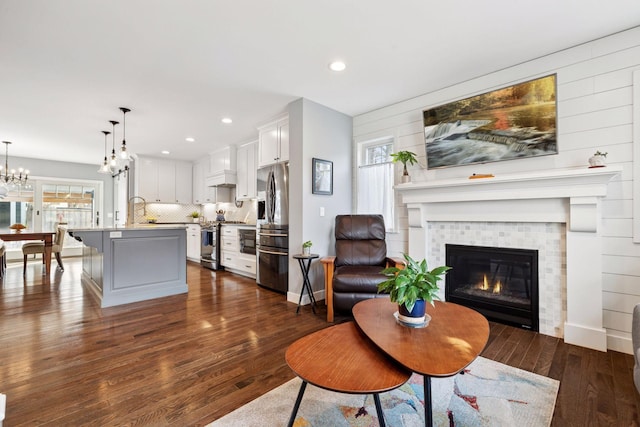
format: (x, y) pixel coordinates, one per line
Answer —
(501, 283)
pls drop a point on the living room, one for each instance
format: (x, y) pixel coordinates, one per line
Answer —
(598, 85)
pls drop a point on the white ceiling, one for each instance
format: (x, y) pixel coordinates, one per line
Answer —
(181, 65)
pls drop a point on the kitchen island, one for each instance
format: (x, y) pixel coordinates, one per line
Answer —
(136, 263)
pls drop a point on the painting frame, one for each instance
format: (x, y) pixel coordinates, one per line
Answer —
(512, 122)
(322, 177)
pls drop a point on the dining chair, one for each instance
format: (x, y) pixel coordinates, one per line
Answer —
(33, 248)
(3, 258)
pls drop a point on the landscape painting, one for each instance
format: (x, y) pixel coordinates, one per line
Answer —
(514, 122)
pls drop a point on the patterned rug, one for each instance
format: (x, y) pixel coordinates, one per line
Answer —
(487, 393)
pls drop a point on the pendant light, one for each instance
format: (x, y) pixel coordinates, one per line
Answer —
(113, 163)
(123, 150)
(104, 168)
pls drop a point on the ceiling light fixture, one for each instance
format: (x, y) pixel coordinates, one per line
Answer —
(104, 167)
(165, 152)
(226, 120)
(114, 160)
(189, 139)
(337, 66)
(8, 177)
(123, 150)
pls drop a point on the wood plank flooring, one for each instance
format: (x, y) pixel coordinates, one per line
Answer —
(187, 360)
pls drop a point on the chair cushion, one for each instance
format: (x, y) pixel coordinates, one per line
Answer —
(33, 248)
(357, 278)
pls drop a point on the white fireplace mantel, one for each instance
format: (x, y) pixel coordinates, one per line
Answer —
(570, 196)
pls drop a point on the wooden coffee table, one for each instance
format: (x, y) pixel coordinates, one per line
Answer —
(341, 358)
(454, 337)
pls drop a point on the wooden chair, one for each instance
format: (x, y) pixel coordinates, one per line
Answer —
(33, 248)
(361, 254)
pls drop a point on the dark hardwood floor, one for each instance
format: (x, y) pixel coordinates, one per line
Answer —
(189, 359)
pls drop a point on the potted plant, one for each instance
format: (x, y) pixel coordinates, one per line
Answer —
(598, 160)
(306, 248)
(195, 215)
(404, 157)
(411, 288)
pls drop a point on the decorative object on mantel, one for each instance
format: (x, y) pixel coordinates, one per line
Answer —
(481, 175)
(8, 178)
(598, 160)
(306, 248)
(411, 288)
(404, 157)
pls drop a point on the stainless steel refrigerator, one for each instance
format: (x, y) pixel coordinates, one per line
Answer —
(272, 241)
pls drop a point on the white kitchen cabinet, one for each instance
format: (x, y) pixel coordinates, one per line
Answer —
(184, 183)
(161, 180)
(273, 142)
(246, 171)
(201, 192)
(231, 257)
(193, 242)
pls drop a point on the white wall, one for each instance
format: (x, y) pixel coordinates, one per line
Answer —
(595, 112)
(320, 132)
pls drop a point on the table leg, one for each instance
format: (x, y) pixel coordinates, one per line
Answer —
(303, 386)
(48, 243)
(428, 415)
(306, 285)
(376, 399)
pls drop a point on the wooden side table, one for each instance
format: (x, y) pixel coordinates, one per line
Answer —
(306, 284)
(341, 358)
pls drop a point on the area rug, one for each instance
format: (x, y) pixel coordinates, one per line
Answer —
(487, 393)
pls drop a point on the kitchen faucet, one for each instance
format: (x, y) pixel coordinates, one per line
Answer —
(131, 218)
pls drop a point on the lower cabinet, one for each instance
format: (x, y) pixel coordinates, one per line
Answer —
(193, 242)
(231, 257)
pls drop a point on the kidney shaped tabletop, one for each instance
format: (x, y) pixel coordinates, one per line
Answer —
(454, 337)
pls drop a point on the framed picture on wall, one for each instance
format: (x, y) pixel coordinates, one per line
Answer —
(322, 179)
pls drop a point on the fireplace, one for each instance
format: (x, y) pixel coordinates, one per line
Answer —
(500, 283)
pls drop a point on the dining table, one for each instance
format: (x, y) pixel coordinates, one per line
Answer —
(44, 236)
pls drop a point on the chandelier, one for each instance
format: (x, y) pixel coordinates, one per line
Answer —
(9, 177)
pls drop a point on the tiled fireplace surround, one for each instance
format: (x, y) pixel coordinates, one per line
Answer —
(556, 212)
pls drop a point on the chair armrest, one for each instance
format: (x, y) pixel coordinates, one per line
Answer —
(396, 262)
(328, 266)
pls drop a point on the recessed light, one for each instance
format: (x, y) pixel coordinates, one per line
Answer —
(337, 66)
(189, 139)
(165, 152)
(226, 120)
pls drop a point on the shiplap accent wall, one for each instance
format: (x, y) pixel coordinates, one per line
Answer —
(595, 112)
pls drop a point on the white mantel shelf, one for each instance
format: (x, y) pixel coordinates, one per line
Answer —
(569, 196)
(556, 183)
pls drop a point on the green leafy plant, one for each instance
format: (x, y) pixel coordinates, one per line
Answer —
(413, 282)
(404, 157)
(307, 244)
(195, 214)
(598, 153)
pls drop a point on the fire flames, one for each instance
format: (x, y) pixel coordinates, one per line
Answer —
(484, 286)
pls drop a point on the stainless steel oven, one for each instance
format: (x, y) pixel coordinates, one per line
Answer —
(247, 240)
(273, 257)
(210, 247)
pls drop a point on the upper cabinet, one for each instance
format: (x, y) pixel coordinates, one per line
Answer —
(246, 157)
(161, 180)
(273, 142)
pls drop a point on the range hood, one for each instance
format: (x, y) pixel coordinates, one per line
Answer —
(226, 178)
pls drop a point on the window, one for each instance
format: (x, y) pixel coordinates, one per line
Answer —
(375, 180)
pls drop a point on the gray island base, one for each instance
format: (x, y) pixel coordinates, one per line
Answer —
(138, 263)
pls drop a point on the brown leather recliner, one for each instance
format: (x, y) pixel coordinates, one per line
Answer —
(353, 274)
